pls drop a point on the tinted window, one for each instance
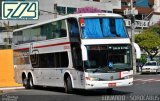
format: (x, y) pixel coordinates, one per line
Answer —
(77, 55)
(59, 29)
(73, 27)
(47, 31)
(50, 60)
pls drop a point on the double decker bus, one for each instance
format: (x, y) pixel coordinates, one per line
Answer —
(77, 51)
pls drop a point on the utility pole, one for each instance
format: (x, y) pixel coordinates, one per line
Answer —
(132, 12)
(55, 10)
(133, 37)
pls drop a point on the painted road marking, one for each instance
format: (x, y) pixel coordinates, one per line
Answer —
(146, 80)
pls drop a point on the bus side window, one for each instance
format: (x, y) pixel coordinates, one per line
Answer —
(46, 30)
(77, 56)
(59, 29)
(73, 27)
(63, 33)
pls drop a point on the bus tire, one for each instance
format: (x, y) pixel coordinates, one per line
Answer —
(68, 85)
(30, 81)
(25, 83)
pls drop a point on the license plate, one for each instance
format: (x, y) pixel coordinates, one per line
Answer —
(111, 84)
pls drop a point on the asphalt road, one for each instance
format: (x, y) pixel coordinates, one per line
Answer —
(146, 88)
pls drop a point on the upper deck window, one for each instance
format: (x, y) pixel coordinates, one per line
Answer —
(52, 30)
(102, 28)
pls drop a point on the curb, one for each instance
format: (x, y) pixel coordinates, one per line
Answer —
(137, 74)
(11, 88)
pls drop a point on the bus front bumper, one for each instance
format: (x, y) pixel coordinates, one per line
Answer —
(108, 84)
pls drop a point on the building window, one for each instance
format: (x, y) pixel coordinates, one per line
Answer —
(61, 10)
(109, 12)
(127, 3)
(124, 3)
(9, 40)
(71, 10)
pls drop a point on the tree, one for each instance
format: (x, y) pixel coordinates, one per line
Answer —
(149, 40)
(88, 10)
(143, 59)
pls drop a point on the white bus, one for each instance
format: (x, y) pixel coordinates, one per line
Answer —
(78, 51)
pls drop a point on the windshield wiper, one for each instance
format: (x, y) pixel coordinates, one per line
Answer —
(100, 68)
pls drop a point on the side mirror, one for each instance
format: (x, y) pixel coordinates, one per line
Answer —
(84, 53)
(138, 50)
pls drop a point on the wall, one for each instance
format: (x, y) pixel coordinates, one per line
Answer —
(154, 19)
(6, 69)
(157, 6)
(4, 35)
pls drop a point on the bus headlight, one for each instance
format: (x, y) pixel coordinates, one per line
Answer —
(128, 77)
(92, 78)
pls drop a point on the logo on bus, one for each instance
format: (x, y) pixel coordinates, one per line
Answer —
(20, 10)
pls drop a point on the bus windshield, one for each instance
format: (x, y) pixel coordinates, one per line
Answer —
(102, 28)
(108, 58)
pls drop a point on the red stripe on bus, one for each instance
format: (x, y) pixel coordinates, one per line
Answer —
(22, 49)
(52, 45)
(45, 46)
(120, 75)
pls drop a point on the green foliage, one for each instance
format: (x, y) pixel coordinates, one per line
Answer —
(149, 40)
(143, 59)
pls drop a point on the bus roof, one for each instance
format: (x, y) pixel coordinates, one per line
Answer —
(69, 16)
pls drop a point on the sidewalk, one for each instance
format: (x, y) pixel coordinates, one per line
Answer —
(10, 88)
(5, 90)
(138, 73)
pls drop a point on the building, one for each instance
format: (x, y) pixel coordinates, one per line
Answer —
(148, 13)
(5, 40)
(50, 9)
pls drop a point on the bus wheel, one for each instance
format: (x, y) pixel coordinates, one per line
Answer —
(68, 85)
(25, 83)
(30, 81)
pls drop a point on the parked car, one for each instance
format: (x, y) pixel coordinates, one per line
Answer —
(151, 67)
